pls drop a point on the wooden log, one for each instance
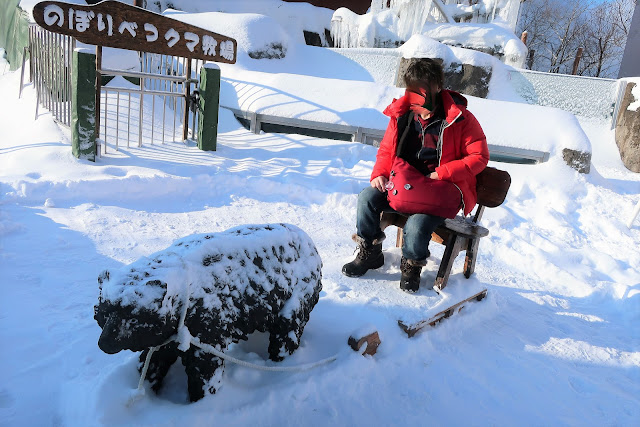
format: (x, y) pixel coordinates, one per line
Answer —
(412, 329)
(372, 340)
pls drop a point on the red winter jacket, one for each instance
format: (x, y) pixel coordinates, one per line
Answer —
(464, 146)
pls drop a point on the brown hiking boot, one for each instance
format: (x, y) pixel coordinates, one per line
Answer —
(410, 279)
(369, 257)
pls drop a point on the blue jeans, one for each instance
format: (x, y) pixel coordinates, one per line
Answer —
(416, 232)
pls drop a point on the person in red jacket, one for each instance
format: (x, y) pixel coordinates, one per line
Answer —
(432, 130)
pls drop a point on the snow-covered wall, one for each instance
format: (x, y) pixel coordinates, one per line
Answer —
(583, 96)
(382, 64)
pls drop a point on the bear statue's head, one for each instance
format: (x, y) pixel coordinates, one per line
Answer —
(132, 328)
(136, 323)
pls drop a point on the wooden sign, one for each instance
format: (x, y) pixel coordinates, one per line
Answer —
(114, 24)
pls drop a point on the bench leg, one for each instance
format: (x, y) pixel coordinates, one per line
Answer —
(470, 258)
(451, 251)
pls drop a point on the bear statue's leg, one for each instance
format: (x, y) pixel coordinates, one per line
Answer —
(204, 372)
(161, 361)
(284, 335)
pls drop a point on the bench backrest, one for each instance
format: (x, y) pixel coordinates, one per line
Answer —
(492, 186)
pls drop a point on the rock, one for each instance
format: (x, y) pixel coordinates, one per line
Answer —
(578, 160)
(628, 132)
(270, 51)
(464, 78)
(468, 79)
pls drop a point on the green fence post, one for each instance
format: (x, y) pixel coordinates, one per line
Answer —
(209, 103)
(83, 105)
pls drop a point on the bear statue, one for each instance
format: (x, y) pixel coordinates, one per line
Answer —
(213, 289)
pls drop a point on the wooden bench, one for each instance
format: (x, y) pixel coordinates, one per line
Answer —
(461, 234)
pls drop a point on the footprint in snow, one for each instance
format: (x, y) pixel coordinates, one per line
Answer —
(115, 171)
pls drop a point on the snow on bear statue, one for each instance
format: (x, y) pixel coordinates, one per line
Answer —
(213, 289)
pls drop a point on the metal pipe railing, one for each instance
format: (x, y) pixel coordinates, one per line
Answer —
(51, 69)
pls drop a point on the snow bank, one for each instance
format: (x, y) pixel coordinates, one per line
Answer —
(422, 46)
(512, 124)
(257, 35)
(488, 38)
(293, 18)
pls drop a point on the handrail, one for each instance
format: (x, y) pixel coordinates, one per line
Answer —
(373, 137)
(109, 72)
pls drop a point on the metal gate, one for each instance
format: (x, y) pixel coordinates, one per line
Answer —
(50, 68)
(156, 104)
(162, 96)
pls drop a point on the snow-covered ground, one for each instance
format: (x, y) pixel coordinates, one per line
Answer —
(556, 341)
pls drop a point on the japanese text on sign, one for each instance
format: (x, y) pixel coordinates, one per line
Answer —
(120, 25)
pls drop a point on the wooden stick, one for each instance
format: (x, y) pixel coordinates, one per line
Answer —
(372, 340)
(187, 95)
(413, 329)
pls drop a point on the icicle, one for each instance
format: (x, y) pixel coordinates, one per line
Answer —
(343, 25)
(351, 30)
(412, 15)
